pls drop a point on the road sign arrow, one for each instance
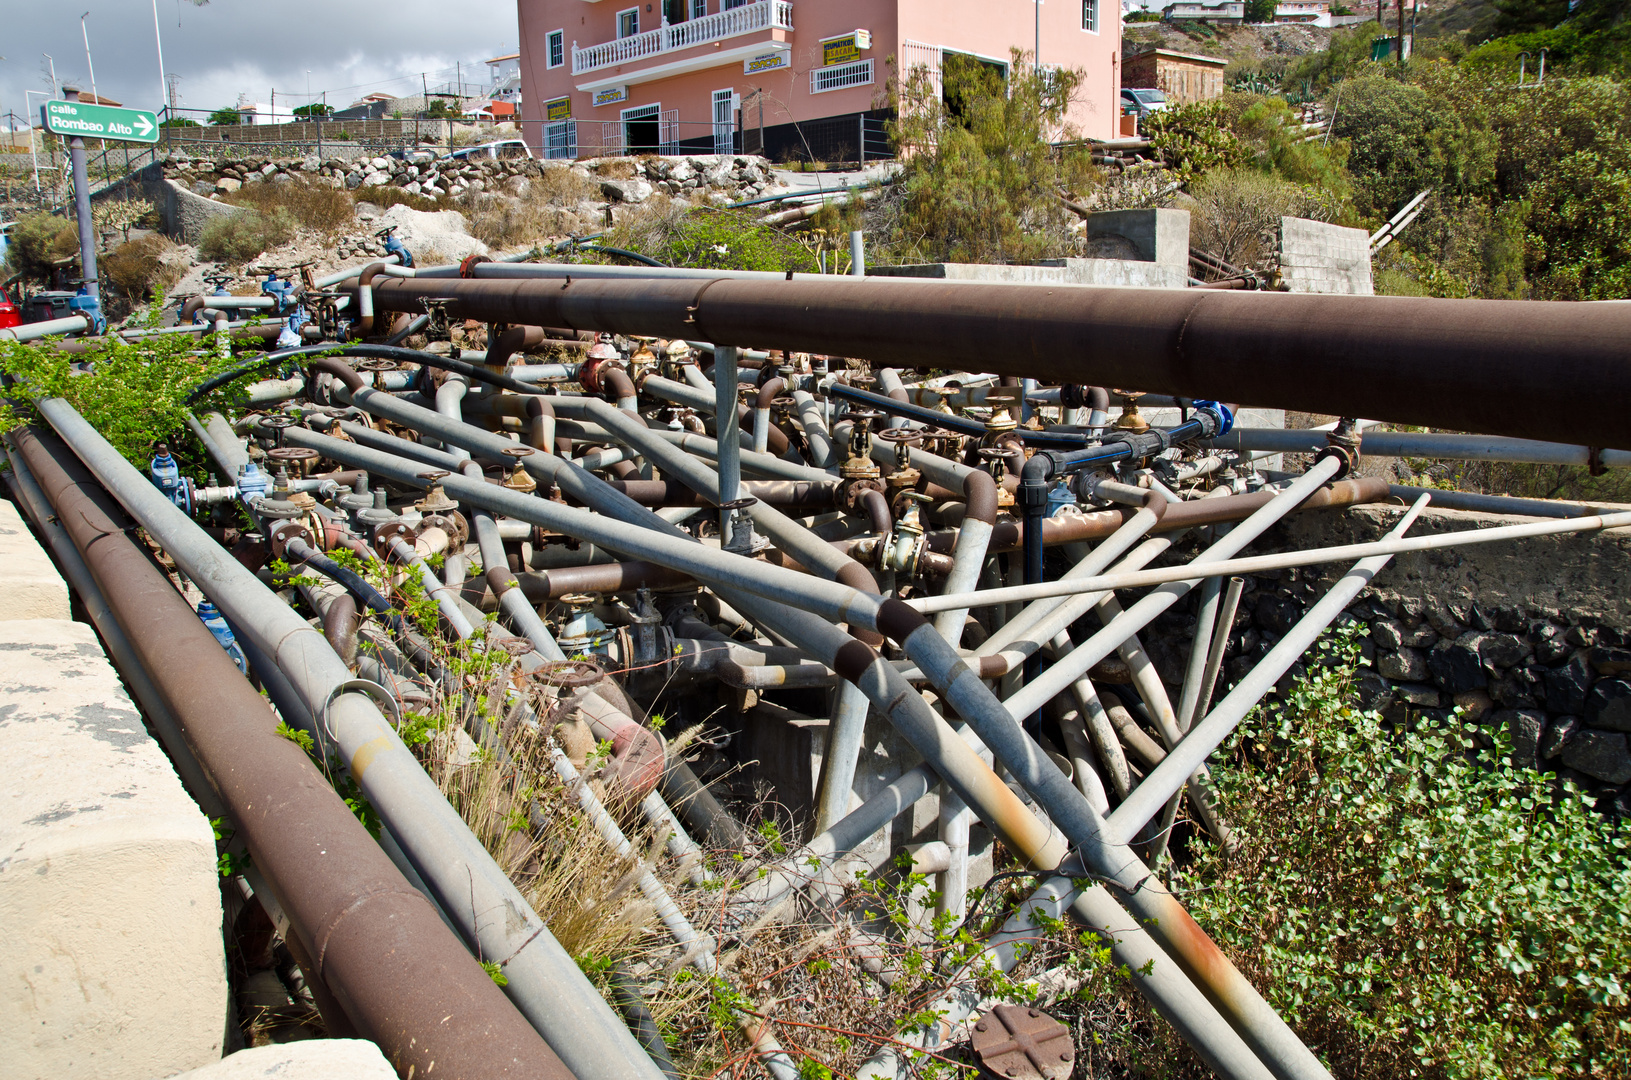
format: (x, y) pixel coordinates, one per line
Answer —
(143, 128)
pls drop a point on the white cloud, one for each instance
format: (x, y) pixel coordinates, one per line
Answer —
(236, 46)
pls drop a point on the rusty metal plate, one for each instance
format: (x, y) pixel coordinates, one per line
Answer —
(1017, 1043)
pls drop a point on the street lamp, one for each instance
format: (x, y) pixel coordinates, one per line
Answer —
(86, 34)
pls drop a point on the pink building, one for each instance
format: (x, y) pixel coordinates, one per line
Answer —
(734, 76)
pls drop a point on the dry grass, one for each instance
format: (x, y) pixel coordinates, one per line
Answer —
(143, 267)
(547, 209)
(310, 205)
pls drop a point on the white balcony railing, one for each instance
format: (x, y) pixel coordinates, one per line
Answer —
(763, 15)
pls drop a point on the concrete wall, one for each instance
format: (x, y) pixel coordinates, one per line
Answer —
(1316, 257)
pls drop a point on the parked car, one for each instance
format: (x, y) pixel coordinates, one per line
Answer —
(1141, 102)
(9, 315)
(503, 148)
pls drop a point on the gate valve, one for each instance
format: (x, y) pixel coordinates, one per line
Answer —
(217, 625)
(435, 500)
(378, 515)
(906, 546)
(280, 290)
(995, 459)
(519, 479)
(166, 476)
(394, 246)
(1342, 443)
(743, 541)
(1131, 419)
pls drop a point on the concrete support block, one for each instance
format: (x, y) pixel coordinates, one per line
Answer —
(111, 959)
(30, 587)
(313, 1059)
(1161, 236)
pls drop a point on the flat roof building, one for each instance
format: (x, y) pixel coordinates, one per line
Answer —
(1183, 77)
(708, 76)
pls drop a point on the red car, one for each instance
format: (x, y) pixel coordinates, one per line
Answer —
(9, 315)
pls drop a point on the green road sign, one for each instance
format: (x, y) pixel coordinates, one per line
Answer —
(99, 121)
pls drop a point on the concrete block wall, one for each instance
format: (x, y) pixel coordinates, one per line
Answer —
(112, 964)
(1317, 257)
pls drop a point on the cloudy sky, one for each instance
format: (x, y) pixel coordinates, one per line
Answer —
(231, 47)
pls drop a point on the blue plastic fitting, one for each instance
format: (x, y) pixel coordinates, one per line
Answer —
(216, 624)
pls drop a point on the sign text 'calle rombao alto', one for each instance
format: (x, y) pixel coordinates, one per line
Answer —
(99, 121)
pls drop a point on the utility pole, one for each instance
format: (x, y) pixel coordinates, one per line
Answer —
(86, 34)
(1400, 6)
(82, 206)
(159, 42)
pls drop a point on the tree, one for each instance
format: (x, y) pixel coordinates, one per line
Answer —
(182, 122)
(985, 162)
(314, 109)
(1260, 11)
(441, 110)
(225, 116)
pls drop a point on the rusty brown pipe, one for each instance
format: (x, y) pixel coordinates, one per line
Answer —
(620, 389)
(775, 438)
(1529, 369)
(340, 625)
(365, 298)
(876, 508)
(771, 390)
(396, 969)
(509, 341)
(1096, 525)
(600, 578)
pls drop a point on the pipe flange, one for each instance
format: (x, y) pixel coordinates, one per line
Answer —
(467, 268)
(853, 489)
(284, 533)
(1343, 445)
(570, 674)
(452, 523)
(389, 531)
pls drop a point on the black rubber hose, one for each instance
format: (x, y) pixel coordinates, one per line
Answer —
(626, 996)
(410, 356)
(622, 253)
(220, 379)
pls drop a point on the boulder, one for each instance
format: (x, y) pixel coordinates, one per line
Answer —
(1558, 734)
(1455, 665)
(1567, 686)
(1608, 706)
(1407, 665)
(1525, 727)
(1602, 755)
(626, 191)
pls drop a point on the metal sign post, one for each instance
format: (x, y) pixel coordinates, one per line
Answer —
(75, 120)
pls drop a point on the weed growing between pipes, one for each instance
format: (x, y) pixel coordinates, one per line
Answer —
(853, 965)
(135, 394)
(1412, 905)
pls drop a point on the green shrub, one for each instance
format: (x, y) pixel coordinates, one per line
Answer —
(40, 243)
(1195, 138)
(135, 394)
(240, 238)
(712, 240)
(982, 174)
(1414, 909)
(139, 268)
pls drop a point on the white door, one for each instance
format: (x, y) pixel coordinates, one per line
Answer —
(725, 106)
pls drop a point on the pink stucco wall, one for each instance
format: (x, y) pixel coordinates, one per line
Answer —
(986, 29)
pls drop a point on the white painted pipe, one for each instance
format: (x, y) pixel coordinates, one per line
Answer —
(74, 324)
(1259, 563)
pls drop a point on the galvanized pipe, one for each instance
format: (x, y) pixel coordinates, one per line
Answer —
(400, 975)
(1425, 445)
(1130, 816)
(544, 981)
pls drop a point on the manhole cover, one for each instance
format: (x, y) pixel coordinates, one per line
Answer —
(1023, 1044)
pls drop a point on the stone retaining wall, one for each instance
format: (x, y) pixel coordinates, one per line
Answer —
(1532, 636)
(706, 178)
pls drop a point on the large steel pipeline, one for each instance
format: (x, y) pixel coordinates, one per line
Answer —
(1527, 369)
(399, 973)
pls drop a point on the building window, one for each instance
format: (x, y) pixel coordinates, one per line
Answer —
(1090, 15)
(726, 5)
(628, 22)
(557, 48)
(699, 8)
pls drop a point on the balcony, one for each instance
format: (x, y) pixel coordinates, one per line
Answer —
(748, 19)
